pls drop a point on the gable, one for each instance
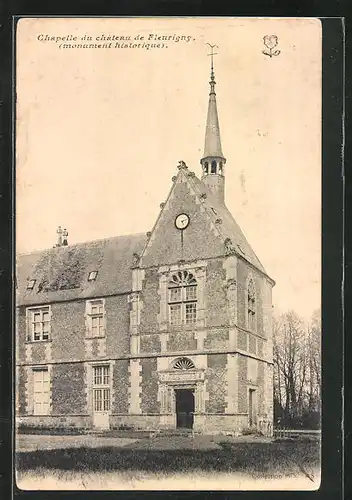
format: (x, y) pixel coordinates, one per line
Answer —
(211, 231)
(201, 239)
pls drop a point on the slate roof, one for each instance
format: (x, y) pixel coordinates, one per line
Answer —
(212, 145)
(228, 227)
(61, 273)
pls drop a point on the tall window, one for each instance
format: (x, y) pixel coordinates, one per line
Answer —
(213, 167)
(182, 298)
(41, 391)
(251, 305)
(95, 318)
(38, 323)
(101, 388)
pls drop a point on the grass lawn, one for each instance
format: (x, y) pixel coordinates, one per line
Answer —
(138, 461)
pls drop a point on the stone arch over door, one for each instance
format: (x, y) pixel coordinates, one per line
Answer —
(181, 374)
(182, 363)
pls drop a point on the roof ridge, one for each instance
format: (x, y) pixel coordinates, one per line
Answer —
(80, 243)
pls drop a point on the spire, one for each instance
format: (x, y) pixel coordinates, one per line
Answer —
(213, 160)
(212, 146)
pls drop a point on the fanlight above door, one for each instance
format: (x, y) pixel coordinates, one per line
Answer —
(183, 364)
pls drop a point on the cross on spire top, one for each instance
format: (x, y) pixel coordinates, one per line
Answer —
(212, 76)
(212, 54)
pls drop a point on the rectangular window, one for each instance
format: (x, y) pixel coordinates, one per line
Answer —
(41, 392)
(101, 388)
(191, 312)
(175, 314)
(38, 323)
(95, 312)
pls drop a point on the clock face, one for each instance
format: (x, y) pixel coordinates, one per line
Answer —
(182, 221)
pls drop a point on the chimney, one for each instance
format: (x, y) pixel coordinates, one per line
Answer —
(64, 237)
(59, 237)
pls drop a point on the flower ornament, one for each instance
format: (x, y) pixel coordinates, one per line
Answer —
(270, 42)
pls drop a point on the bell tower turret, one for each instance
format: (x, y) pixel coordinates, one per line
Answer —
(213, 161)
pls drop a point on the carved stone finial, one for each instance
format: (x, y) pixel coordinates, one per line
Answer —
(174, 178)
(135, 259)
(149, 233)
(191, 174)
(181, 165)
(229, 247)
(162, 205)
(231, 282)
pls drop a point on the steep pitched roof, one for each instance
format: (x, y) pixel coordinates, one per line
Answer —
(62, 273)
(228, 227)
(212, 145)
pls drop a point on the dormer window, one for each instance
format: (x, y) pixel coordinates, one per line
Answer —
(30, 284)
(92, 276)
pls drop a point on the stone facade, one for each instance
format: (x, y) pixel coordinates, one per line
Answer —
(141, 347)
(163, 330)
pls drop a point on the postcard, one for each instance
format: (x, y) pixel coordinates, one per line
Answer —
(168, 269)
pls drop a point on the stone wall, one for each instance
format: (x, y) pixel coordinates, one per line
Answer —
(21, 335)
(117, 326)
(46, 421)
(68, 333)
(216, 338)
(150, 343)
(120, 384)
(242, 340)
(21, 389)
(216, 383)
(68, 389)
(242, 384)
(68, 330)
(261, 401)
(151, 301)
(149, 386)
(181, 340)
(216, 294)
(252, 343)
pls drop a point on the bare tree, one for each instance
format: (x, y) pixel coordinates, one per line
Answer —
(314, 335)
(296, 367)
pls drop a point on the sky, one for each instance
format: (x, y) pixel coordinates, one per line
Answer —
(100, 132)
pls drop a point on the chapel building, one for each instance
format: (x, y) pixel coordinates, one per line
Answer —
(165, 330)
